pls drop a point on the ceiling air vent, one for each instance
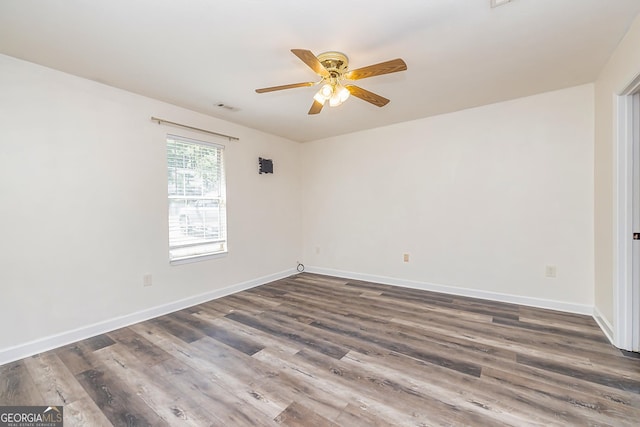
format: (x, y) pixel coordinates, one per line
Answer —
(224, 106)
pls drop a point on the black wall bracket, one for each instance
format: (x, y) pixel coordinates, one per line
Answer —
(266, 165)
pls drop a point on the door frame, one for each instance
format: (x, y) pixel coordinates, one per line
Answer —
(624, 330)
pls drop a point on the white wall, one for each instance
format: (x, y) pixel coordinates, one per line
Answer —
(622, 68)
(481, 199)
(84, 212)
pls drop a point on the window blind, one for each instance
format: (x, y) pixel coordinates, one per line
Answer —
(196, 198)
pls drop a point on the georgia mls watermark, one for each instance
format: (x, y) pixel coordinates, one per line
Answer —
(31, 416)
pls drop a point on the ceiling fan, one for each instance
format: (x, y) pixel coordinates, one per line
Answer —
(333, 68)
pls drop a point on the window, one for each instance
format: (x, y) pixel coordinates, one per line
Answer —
(197, 212)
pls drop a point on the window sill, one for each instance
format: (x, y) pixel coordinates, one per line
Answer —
(198, 258)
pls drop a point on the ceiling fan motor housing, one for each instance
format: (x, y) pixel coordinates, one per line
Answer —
(336, 63)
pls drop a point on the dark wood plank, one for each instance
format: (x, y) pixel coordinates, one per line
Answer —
(144, 350)
(84, 413)
(17, 386)
(590, 375)
(118, 403)
(291, 334)
(180, 330)
(54, 381)
(98, 342)
(77, 357)
(550, 329)
(296, 415)
(225, 336)
(578, 403)
(158, 394)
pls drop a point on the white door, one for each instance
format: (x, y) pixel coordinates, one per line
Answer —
(635, 327)
(626, 333)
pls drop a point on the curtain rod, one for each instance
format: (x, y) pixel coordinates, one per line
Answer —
(229, 137)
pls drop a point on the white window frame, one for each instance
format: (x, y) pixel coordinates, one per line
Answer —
(193, 234)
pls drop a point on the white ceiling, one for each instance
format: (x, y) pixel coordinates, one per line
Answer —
(198, 53)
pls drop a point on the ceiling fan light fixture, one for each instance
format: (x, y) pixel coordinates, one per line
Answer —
(343, 93)
(324, 94)
(326, 91)
(319, 97)
(340, 94)
(334, 101)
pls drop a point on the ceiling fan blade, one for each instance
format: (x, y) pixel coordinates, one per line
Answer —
(387, 67)
(316, 107)
(291, 86)
(312, 62)
(365, 95)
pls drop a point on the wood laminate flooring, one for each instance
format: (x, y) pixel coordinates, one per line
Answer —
(312, 350)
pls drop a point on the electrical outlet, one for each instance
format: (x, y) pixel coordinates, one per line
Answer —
(317, 250)
(550, 271)
(147, 280)
(405, 257)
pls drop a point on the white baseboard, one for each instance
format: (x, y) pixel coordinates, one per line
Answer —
(466, 292)
(21, 351)
(604, 324)
(27, 349)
